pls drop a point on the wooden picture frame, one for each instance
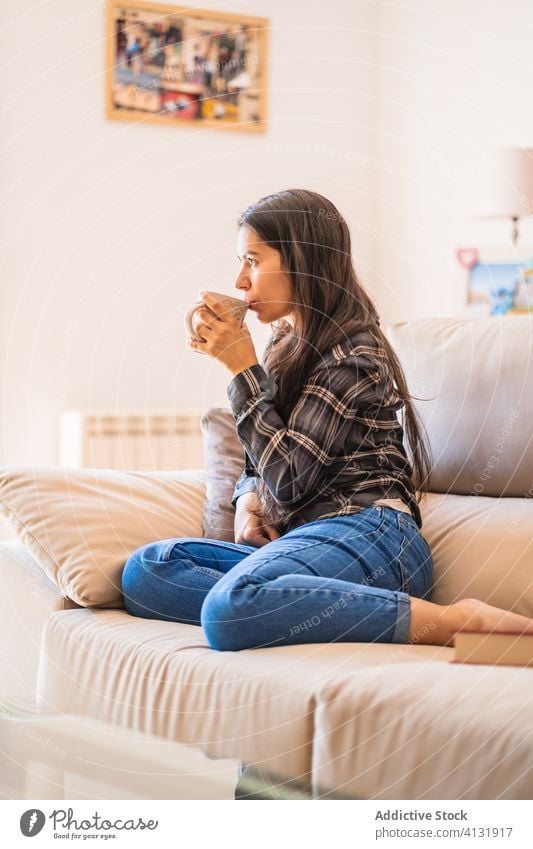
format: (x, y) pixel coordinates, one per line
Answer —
(187, 67)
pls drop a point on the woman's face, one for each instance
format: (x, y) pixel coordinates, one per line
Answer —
(264, 284)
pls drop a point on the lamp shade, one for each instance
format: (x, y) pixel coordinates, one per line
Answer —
(510, 193)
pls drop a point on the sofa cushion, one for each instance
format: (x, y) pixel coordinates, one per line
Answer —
(371, 720)
(81, 525)
(426, 731)
(161, 677)
(474, 382)
(482, 548)
(224, 461)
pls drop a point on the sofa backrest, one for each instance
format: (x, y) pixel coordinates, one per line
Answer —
(474, 382)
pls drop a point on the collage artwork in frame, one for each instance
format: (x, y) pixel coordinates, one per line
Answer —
(497, 285)
(178, 65)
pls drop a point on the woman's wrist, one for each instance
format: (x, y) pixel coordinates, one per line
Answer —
(242, 366)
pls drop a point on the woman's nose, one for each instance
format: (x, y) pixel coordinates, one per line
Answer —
(242, 281)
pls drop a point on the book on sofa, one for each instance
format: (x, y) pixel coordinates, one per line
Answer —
(513, 648)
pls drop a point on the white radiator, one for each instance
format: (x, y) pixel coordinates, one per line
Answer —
(135, 440)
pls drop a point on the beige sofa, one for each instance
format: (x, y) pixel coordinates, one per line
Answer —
(364, 720)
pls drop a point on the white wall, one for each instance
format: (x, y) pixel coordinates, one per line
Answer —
(453, 85)
(108, 229)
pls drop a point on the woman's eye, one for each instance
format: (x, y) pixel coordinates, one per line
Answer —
(251, 261)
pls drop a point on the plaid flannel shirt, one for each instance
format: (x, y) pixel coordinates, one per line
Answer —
(342, 446)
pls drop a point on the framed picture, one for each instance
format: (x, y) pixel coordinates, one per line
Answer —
(177, 65)
(498, 284)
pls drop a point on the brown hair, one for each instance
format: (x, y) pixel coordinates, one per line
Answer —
(331, 306)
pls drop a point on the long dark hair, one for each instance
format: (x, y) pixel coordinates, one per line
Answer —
(331, 306)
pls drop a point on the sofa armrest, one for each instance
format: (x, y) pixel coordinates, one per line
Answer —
(27, 598)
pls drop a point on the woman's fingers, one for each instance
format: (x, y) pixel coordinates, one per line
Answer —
(263, 535)
(255, 536)
(203, 317)
(249, 528)
(257, 540)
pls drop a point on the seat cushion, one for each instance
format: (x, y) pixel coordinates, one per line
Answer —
(482, 548)
(368, 720)
(432, 730)
(161, 677)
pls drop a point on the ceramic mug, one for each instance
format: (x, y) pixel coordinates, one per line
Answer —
(234, 305)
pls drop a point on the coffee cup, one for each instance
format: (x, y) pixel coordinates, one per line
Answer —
(234, 305)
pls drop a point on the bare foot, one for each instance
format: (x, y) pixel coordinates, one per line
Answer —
(480, 616)
(435, 624)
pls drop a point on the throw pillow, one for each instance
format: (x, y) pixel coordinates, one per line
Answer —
(81, 525)
(224, 462)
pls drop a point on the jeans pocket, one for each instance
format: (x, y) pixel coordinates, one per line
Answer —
(375, 518)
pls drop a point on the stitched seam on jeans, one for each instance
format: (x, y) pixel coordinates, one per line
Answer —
(369, 535)
(284, 554)
(214, 573)
(405, 579)
(205, 541)
(384, 516)
(380, 592)
(406, 522)
(406, 542)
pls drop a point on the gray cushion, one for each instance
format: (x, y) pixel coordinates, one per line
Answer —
(224, 462)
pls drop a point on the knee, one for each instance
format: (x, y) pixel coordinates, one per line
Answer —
(137, 577)
(224, 618)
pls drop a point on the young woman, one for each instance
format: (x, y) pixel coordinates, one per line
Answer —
(327, 524)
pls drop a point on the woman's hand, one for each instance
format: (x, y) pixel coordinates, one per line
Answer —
(224, 338)
(249, 529)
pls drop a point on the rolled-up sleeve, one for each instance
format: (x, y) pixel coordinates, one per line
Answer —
(246, 483)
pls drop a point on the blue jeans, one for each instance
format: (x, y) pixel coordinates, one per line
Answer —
(344, 579)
